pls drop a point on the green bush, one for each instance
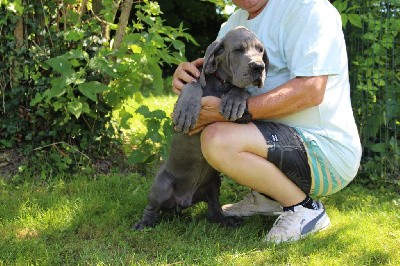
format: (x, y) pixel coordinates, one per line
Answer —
(62, 74)
(69, 73)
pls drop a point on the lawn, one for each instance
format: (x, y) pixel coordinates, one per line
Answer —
(87, 220)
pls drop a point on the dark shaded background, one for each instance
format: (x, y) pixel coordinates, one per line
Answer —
(198, 17)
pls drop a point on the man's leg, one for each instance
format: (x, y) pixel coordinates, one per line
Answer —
(240, 151)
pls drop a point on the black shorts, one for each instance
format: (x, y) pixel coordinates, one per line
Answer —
(286, 151)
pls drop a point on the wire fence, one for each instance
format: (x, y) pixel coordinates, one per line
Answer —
(373, 42)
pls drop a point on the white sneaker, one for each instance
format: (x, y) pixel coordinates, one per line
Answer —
(294, 224)
(253, 203)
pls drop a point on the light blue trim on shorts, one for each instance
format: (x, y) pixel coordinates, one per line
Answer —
(325, 180)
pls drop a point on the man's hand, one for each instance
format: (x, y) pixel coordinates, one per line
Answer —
(210, 113)
(186, 72)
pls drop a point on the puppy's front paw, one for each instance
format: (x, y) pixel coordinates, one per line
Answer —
(233, 103)
(227, 221)
(232, 221)
(187, 108)
(185, 116)
(142, 224)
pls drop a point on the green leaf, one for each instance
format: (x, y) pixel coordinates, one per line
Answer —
(355, 20)
(91, 89)
(132, 38)
(75, 62)
(340, 5)
(74, 35)
(38, 98)
(158, 114)
(136, 156)
(156, 73)
(136, 49)
(125, 116)
(138, 97)
(141, 155)
(355, 7)
(75, 108)
(155, 137)
(57, 105)
(379, 147)
(60, 65)
(58, 87)
(143, 110)
(77, 54)
(344, 20)
(376, 47)
(178, 45)
(16, 6)
(6, 143)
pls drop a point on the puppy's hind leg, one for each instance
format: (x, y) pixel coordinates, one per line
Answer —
(215, 213)
(161, 191)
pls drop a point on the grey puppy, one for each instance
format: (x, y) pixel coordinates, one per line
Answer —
(230, 64)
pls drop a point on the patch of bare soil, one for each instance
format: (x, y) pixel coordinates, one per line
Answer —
(10, 161)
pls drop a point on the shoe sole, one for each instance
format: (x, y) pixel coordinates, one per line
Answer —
(227, 213)
(325, 224)
(243, 212)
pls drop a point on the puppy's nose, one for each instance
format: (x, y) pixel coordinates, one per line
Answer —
(257, 66)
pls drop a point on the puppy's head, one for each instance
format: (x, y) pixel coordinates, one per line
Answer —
(239, 58)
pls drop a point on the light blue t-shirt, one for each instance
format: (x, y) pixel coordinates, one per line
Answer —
(305, 38)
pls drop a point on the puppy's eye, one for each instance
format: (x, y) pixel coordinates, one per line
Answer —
(239, 49)
(260, 49)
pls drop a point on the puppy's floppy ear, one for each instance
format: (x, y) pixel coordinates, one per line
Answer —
(210, 63)
(266, 61)
(213, 50)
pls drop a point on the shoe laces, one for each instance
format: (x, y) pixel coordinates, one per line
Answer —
(249, 198)
(286, 220)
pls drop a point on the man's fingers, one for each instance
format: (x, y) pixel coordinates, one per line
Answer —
(177, 86)
(186, 72)
(195, 130)
(198, 62)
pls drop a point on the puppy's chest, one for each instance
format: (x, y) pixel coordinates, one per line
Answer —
(215, 87)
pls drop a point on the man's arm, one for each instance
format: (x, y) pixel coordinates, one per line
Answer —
(296, 95)
(291, 97)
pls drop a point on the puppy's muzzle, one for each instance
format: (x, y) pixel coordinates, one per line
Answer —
(257, 67)
(256, 70)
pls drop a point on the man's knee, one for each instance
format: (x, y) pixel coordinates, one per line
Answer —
(213, 138)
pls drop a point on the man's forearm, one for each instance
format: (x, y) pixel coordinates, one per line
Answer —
(291, 97)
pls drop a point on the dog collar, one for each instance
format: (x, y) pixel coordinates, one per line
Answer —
(219, 77)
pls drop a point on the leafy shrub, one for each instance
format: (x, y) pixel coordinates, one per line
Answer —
(61, 74)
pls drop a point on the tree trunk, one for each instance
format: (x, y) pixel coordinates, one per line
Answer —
(19, 42)
(19, 32)
(123, 22)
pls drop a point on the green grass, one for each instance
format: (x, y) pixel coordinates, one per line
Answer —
(87, 221)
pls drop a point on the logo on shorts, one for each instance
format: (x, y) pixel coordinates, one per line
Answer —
(274, 137)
